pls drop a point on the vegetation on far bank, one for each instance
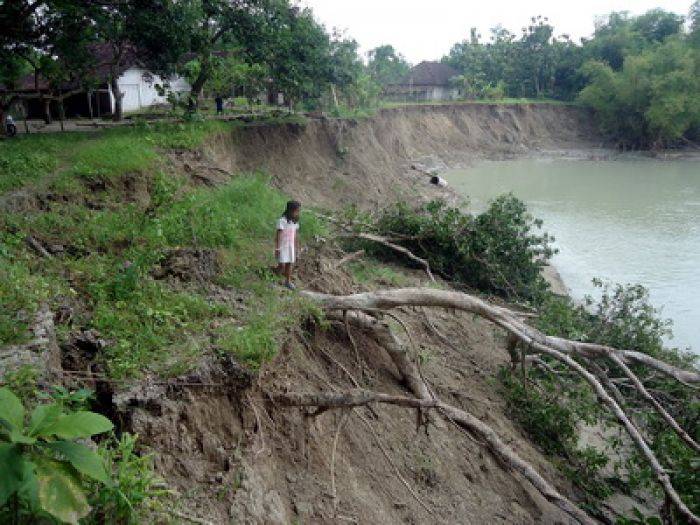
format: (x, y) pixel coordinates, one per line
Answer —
(639, 73)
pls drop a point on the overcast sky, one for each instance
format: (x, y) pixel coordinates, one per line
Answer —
(426, 29)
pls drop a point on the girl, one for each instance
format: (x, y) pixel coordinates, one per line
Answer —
(286, 241)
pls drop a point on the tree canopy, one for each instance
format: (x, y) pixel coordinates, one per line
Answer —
(639, 73)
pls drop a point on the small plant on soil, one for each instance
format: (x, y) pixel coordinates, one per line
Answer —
(136, 492)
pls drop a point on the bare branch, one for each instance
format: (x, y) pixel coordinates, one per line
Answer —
(657, 406)
(558, 348)
(355, 398)
(397, 248)
(388, 299)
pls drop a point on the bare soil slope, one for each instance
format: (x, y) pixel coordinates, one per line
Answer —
(335, 162)
(238, 458)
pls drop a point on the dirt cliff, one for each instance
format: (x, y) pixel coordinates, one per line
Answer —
(338, 161)
(241, 459)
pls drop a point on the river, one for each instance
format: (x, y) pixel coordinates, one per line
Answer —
(629, 220)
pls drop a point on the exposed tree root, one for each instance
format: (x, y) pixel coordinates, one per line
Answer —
(356, 398)
(334, 491)
(560, 349)
(388, 299)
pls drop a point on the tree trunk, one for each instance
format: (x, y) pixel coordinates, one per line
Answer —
(197, 87)
(47, 110)
(335, 96)
(117, 114)
(89, 101)
(61, 113)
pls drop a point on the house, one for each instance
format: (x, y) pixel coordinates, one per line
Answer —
(426, 81)
(140, 89)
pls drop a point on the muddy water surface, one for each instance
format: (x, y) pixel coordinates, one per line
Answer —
(630, 220)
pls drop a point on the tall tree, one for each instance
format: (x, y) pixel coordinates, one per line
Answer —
(385, 65)
(169, 31)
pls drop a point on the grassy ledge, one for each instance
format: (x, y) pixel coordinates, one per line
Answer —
(113, 218)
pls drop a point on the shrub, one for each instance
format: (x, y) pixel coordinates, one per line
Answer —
(498, 251)
(623, 317)
(136, 491)
(551, 415)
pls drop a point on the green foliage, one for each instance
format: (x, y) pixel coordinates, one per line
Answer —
(136, 492)
(552, 426)
(499, 251)
(653, 100)
(624, 318)
(535, 64)
(639, 74)
(68, 399)
(45, 470)
(551, 416)
(385, 65)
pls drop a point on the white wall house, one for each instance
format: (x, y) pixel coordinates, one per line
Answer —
(139, 88)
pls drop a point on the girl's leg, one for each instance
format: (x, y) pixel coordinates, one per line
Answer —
(288, 273)
(280, 269)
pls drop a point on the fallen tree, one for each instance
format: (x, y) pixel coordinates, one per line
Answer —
(356, 309)
(460, 417)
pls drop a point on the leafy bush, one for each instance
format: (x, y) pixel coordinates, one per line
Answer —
(552, 426)
(498, 251)
(551, 417)
(136, 491)
(623, 317)
(44, 469)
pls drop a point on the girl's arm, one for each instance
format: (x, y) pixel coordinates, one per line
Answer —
(277, 240)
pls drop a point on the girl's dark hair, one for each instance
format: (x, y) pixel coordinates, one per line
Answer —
(292, 206)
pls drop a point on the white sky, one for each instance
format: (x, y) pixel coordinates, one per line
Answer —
(427, 29)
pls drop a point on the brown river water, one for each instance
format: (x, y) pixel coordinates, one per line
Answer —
(628, 220)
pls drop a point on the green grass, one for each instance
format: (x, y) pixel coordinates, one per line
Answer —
(112, 249)
(27, 159)
(373, 272)
(272, 313)
(343, 112)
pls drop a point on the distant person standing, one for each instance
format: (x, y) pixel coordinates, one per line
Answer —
(219, 104)
(287, 242)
